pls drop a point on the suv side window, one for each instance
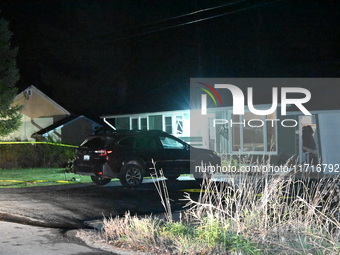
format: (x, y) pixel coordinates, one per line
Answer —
(140, 142)
(143, 142)
(127, 142)
(169, 143)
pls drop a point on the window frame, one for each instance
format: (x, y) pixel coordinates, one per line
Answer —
(264, 133)
(174, 124)
(139, 122)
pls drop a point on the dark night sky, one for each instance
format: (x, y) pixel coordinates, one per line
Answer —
(109, 57)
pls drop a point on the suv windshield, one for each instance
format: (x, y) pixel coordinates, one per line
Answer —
(169, 143)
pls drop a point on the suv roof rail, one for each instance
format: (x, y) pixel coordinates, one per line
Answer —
(127, 131)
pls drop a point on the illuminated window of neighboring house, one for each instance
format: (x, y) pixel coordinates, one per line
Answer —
(155, 122)
(143, 123)
(134, 124)
(174, 124)
(253, 134)
(179, 125)
(168, 124)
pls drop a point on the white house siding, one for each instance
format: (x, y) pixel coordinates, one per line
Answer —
(28, 127)
(329, 124)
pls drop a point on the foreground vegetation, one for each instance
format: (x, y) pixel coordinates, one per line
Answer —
(20, 178)
(257, 215)
(27, 155)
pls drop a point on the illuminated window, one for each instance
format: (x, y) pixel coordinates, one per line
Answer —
(144, 123)
(174, 124)
(253, 134)
(134, 124)
(179, 125)
(168, 125)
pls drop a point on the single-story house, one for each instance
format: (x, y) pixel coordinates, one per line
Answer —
(217, 137)
(276, 135)
(42, 117)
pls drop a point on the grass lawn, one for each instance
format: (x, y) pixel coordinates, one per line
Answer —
(22, 178)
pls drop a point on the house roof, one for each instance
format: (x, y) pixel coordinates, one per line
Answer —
(111, 116)
(61, 123)
(37, 104)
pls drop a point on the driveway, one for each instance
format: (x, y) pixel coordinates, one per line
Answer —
(45, 214)
(68, 206)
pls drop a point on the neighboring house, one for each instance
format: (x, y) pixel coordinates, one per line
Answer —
(70, 130)
(40, 112)
(219, 138)
(176, 123)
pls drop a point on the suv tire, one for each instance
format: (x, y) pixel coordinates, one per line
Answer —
(131, 175)
(100, 181)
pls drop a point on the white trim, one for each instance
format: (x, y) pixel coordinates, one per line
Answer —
(145, 114)
(109, 124)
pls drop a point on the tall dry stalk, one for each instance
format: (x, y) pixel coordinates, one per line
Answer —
(158, 179)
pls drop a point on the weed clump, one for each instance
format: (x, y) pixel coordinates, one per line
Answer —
(259, 214)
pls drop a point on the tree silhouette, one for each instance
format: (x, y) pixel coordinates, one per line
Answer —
(9, 76)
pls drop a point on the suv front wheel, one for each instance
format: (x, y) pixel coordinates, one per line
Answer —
(131, 175)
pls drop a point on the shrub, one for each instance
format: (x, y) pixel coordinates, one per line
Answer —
(14, 156)
(276, 214)
(257, 214)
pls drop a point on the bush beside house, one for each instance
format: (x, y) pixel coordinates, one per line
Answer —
(14, 156)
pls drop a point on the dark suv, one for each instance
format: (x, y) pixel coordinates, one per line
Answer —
(128, 155)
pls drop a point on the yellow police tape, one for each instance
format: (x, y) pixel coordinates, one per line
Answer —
(36, 181)
(49, 143)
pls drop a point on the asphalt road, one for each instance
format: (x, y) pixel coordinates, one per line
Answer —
(47, 213)
(21, 239)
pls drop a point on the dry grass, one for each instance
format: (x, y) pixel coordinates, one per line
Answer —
(260, 214)
(278, 214)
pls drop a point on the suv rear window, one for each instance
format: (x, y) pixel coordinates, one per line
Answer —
(94, 142)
